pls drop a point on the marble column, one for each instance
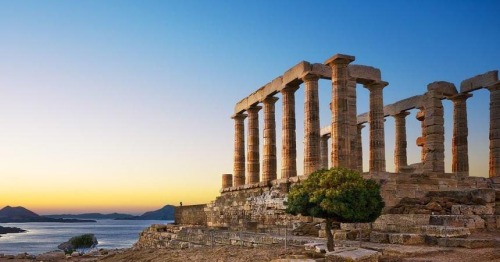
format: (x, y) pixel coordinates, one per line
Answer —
(239, 149)
(400, 156)
(341, 147)
(359, 148)
(289, 148)
(253, 156)
(353, 123)
(311, 124)
(459, 144)
(376, 116)
(227, 180)
(269, 159)
(434, 133)
(324, 151)
(494, 130)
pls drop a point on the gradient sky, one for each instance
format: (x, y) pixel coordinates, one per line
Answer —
(125, 105)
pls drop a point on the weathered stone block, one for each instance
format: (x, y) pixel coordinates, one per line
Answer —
(444, 231)
(472, 210)
(443, 88)
(479, 81)
(406, 238)
(468, 221)
(379, 237)
(352, 255)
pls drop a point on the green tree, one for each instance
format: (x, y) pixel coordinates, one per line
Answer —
(337, 194)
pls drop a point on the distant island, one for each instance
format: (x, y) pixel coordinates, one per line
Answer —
(7, 230)
(10, 214)
(164, 213)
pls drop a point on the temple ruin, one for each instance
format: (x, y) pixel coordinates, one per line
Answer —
(423, 203)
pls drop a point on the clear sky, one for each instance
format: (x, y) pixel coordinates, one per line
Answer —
(125, 105)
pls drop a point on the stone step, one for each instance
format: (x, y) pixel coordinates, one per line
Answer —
(468, 242)
(443, 231)
(467, 221)
(397, 238)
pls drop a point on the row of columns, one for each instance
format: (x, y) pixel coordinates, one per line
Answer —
(345, 134)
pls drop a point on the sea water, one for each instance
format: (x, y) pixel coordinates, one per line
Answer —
(44, 237)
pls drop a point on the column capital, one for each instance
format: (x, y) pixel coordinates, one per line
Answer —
(289, 88)
(339, 59)
(494, 87)
(460, 97)
(309, 77)
(240, 116)
(401, 114)
(270, 100)
(376, 85)
(254, 109)
(361, 126)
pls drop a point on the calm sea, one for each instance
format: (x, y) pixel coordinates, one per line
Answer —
(44, 237)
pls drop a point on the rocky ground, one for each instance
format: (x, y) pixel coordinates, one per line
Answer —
(270, 253)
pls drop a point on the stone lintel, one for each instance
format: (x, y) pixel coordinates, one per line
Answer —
(258, 96)
(339, 58)
(403, 105)
(494, 87)
(326, 131)
(364, 74)
(293, 76)
(479, 81)
(442, 88)
(363, 118)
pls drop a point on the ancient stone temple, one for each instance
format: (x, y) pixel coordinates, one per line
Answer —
(255, 194)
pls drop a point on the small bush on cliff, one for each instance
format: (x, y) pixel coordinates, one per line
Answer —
(337, 194)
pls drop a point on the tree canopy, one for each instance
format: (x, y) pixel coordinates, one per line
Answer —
(340, 194)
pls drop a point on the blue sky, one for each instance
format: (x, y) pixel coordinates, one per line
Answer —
(130, 101)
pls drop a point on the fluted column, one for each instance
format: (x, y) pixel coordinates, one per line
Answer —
(376, 115)
(269, 159)
(359, 148)
(289, 149)
(434, 133)
(494, 130)
(239, 149)
(311, 124)
(324, 152)
(400, 156)
(253, 157)
(341, 146)
(459, 144)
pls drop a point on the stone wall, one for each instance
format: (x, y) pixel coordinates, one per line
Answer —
(262, 205)
(190, 215)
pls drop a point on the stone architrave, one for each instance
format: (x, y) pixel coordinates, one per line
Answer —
(253, 156)
(311, 124)
(460, 151)
(269, 159)
(494, 130)
(376, 120)
(341, 123)
(289, 150)
(324, 152)
(434, 133)
(400, 156)
(359, 148)
(239, 149)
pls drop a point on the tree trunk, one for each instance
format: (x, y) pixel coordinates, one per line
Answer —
(330, 245)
